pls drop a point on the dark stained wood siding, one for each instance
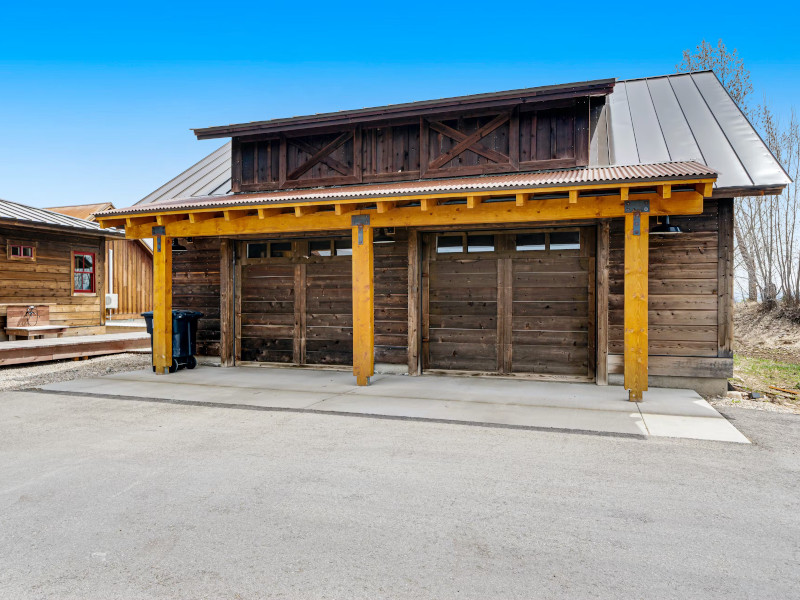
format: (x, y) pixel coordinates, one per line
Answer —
(516, 138)
(267, 312)
(48, 279)
(683, 285)
(391, 300)
(196, 286)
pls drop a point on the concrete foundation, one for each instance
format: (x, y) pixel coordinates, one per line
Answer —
(705, 386)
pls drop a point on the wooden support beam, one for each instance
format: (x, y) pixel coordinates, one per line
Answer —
(162, 304)
(427, 204)
(474, 201)
(343, 209)
(665, 191)
(226, 300)
(302, 211)
(635, 317)
(384, 207)
(199, 217)
(705, 189)
(590, 207)
(363, 305)
(573, 196)
(264, 213)
(623, 193)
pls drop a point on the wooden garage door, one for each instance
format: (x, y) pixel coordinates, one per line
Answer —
(510, 302)
(295, 301)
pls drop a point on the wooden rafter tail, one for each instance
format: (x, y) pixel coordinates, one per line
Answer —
(302, 211)
(573, 196)
(340, 208)
(665, 191)
(474, 201)
(264, 213)
(623, 193)
(384, 207)
(705, 188)
(522, 199)
(199, 217)
(427, 204)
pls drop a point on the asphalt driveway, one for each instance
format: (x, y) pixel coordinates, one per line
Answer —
(103, 498)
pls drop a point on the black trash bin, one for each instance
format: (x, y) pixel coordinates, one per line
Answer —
(184, 334)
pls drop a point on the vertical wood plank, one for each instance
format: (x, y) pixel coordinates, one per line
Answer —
(413, 302)
(513, 139)
(505, 309)
(426, 246)
(236, 166)
(424, 139)
(226, 302)
(636, 343)
(589, 248)
(237, 286)
(602, 302)
(282, 158)
(358, 169)
(725, 280)
(162, 305)
(300, 304)
(363, 305)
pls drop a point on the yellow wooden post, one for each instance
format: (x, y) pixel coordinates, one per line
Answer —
(637, 231)
(363, 301)
(162, 304)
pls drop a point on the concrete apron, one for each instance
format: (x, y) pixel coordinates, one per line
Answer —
(581, 407)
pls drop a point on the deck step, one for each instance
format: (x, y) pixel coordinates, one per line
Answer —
(31, 351)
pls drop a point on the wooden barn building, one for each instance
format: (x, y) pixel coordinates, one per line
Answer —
(580, 232)
(55, 263)
(129, 267)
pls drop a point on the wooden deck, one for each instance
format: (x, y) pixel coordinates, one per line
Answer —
(30, 351)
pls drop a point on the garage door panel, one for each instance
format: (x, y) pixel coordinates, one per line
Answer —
(552, 294)
(463, 336)
(554, 280)
(571, 264)
(460, 294)
(486, 322)
(550, 338)
(330, 333)
(550, 323)
(467, 357)
(455, 308)
(550, 309)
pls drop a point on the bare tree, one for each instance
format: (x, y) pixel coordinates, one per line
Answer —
(736, 79)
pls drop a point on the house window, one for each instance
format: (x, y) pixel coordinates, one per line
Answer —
(83, 273)
(21, 252)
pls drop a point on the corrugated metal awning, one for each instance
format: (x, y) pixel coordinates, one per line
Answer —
(577, 177)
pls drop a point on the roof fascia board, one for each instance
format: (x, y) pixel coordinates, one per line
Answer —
(399, 111)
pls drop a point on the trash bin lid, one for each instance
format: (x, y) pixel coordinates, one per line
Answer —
(149, 313)
(186, 314)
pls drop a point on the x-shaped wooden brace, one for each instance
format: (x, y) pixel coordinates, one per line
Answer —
(320, 155)
(469, 142)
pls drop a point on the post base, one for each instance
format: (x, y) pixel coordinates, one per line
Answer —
(634, 396)
(362, 380)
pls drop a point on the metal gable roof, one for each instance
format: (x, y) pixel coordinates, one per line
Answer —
(672, 118)
(688, 116)
(20, 213)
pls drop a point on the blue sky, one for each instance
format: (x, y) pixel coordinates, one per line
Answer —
(96, 100)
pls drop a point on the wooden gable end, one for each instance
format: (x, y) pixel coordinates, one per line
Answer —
(524, 137)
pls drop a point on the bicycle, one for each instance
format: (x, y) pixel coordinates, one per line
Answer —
(31, 316)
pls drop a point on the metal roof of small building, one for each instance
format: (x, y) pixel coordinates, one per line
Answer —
(21, 214)
(508, 181)
(679, 117)
(81, 211)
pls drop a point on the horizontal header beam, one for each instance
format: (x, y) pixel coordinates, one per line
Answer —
(248, 221)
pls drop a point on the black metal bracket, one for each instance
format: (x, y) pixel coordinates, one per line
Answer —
(637, 207)
(158, 232)
(634, 206)
(360, 221)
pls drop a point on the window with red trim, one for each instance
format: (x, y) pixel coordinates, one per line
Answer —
(19, 251)
(83, 272)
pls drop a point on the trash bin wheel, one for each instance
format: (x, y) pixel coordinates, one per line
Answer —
(174, 366)
(191, 362)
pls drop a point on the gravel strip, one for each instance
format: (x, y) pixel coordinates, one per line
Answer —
(38, 374)
(753, 404)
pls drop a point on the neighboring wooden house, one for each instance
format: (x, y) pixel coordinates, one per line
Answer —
(129, 267)
(55, 263)
(521, 227)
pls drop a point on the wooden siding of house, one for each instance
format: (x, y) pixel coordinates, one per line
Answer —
(132, 278)
(690, 295)
(48, 278)
(196, 286)
(518, 138)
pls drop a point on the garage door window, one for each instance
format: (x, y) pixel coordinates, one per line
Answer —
(565, 240)
(531, 242)
(448, 244)
(480, 243)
